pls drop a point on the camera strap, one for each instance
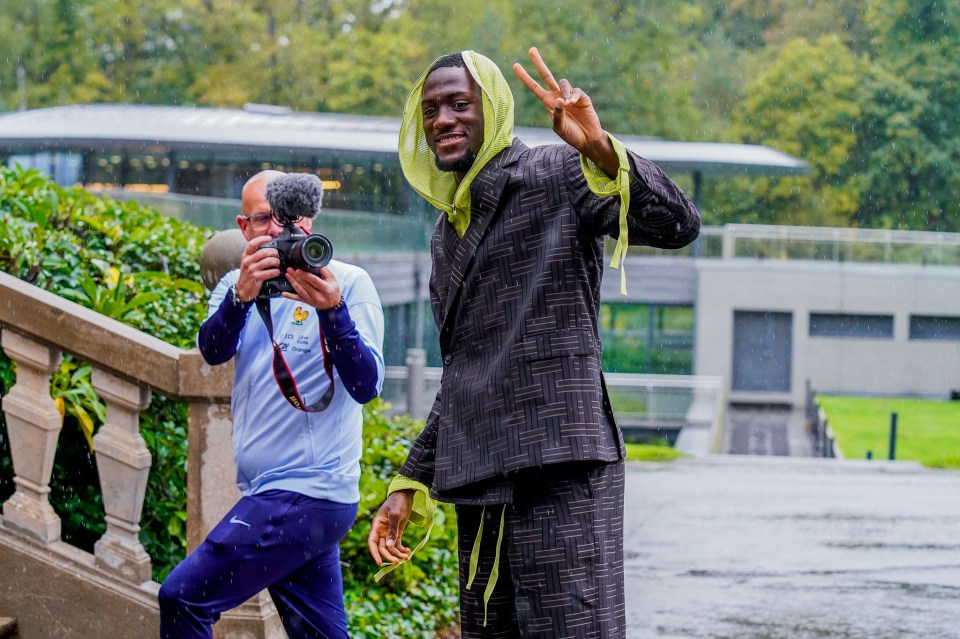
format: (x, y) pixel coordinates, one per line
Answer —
(288, 386)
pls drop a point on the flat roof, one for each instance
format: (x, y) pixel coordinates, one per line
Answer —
(280, 129)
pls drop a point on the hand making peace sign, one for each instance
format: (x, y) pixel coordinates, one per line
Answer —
(574, 118)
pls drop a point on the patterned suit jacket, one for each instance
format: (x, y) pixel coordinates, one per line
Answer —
(516, 301)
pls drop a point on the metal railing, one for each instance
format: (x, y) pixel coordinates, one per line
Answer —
(871, 246)
(357, 232)
(821, 435)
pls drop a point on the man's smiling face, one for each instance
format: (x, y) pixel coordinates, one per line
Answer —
(452, 110)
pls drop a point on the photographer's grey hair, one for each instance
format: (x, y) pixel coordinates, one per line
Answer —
(295, 195)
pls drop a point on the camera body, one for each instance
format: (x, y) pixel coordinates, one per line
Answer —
(292, 197)
(299, 250)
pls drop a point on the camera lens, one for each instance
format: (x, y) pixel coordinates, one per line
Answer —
(316, 251)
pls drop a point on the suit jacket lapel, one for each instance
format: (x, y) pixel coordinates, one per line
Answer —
(485, 195)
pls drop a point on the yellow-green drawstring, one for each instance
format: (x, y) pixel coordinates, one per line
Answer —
(496, 568)
(603, 186)
(475, 553)
(475, 560)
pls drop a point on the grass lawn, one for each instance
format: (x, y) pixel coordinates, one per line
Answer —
(928, 430)
(650, 452)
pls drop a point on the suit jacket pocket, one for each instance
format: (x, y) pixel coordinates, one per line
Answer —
(563, 343)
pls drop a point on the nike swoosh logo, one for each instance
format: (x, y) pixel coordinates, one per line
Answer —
(234, 520)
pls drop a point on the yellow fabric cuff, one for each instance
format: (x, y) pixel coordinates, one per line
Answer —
(422, 513)
(423, 505)
(603, 185)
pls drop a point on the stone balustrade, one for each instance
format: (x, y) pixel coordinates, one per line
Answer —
(36, 329)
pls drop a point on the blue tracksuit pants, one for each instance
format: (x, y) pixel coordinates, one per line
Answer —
(279, 540)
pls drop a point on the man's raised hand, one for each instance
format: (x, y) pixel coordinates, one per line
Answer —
(574, 118)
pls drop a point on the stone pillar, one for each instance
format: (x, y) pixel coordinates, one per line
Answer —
(123, 463)
(211, 493)
(416, 363)
(211, 473)
(256, 618)
(33, 427)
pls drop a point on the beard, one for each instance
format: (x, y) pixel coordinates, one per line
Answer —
(461, 164)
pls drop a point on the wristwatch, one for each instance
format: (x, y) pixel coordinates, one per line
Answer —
(235, 296)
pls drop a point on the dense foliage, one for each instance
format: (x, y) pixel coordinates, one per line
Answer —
(425, 589)
(139, 267)
(864, 90)
(135, 266)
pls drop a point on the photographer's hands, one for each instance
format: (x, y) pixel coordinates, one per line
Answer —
(256, 267)
(321, 292)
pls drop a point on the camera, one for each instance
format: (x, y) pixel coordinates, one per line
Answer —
(293, 197)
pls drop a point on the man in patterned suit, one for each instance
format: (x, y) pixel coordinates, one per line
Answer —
(521, 437)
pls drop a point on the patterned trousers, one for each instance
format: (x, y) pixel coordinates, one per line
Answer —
(560, 559)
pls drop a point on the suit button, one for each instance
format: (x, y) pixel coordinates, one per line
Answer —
(448, 358)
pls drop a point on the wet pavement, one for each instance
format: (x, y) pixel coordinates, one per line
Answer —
(749, 547)
(766, 430)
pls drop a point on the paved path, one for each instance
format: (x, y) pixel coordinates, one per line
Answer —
(766, 430)
(741, 547)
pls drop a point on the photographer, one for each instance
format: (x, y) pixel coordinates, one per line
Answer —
(298, 458)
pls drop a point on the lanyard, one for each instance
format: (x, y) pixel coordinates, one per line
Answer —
(288, 386)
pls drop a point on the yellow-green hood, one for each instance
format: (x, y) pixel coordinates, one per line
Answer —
(418, 161)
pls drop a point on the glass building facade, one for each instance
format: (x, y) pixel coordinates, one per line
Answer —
(351, 181)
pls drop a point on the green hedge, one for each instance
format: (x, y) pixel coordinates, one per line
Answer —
(139, 267)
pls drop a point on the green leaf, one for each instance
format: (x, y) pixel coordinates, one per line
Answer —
(81, 372)
(27, 211)
(174, 526)
(86, 422)
(142, 299)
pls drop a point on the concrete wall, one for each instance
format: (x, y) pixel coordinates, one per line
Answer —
(843, 364)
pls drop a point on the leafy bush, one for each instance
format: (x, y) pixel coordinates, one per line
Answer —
(136, 266)
(140, 268)
(425, 588)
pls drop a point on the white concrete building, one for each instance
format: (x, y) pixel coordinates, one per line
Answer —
(890, 327)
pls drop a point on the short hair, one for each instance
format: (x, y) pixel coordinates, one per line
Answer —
(449, 60)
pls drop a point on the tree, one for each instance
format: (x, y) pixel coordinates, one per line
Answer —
(856, 124)
(918, 41)
(45, 61)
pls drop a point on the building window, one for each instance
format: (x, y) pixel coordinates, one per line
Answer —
(65, 168)
(934, 327)
(848, 325)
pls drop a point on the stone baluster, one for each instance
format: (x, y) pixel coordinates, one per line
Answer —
(33, 426)
(123, 463)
